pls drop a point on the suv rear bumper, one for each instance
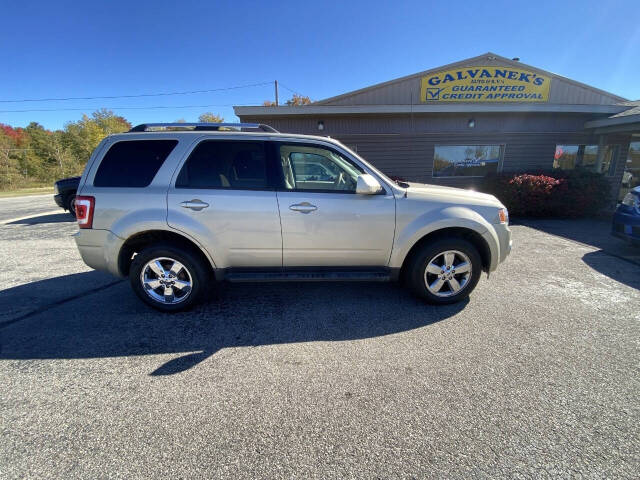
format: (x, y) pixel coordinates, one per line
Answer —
(99, 249)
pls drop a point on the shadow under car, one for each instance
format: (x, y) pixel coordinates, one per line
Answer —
(111, 322)
(39, 219)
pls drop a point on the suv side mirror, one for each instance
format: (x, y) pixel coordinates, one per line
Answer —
(368, 185)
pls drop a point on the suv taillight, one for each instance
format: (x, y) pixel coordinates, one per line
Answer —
(84, 211)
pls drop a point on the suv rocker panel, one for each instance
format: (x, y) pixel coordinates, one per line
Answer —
(308, 274)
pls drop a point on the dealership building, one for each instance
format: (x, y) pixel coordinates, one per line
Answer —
(454, 124)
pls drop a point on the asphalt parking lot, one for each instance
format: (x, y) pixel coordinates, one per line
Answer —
(538, 375)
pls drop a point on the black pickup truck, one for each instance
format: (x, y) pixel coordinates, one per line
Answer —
(64, 193)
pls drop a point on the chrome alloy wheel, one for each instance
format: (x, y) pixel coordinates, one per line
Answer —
(447, 273)
(166, 280)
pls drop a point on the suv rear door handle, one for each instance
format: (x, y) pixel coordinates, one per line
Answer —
(304, 207)
(194, 204)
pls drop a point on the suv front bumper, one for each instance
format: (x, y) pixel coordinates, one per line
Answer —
(506, 243)
(501, 248)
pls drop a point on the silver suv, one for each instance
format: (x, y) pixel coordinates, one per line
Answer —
(177, 207)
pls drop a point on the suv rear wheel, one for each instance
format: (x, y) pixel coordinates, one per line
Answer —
(168, 278)
(445, 271)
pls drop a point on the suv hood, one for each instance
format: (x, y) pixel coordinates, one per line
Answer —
(452, 194)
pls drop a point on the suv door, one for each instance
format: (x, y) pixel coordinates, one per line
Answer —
(324, 222)
(224, 196)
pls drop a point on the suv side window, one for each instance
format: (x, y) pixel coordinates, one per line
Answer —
(319, 169)
(225, 164)
(132, 163)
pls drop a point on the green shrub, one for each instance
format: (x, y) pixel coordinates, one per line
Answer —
(560, 193)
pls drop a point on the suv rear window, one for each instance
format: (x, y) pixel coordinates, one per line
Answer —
(132, 163)
(225, 164)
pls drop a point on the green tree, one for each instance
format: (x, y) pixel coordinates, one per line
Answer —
(295, 101)
(110, 123)
(38, 159)
(298, 100)
(209, 117)
(66, 163)
(14, 146)
(9, 168)
(83, 136)
(35, 155)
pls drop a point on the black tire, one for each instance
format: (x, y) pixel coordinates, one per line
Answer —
(70, 204)
(198, 274)
(415, 274)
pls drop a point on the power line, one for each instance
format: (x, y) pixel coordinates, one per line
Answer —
(287, 88)
(164, 94)
(130, 108)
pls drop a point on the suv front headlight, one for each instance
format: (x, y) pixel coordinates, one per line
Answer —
(55, 189)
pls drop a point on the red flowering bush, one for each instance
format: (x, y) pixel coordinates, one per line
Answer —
(561, 193)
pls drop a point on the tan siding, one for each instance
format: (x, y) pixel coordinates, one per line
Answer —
(406, 91)
(411, 156)
(432, 123)
(403, 145)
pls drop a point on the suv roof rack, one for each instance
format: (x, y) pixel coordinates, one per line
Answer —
(216, 127)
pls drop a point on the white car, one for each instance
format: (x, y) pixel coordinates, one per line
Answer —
(177, 207)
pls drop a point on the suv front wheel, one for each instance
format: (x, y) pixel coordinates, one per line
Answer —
(168, 278)
(445, 271)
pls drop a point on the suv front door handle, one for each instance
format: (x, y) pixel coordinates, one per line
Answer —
(194, 204)
(304, 207)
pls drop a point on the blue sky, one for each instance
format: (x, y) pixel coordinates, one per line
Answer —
(320, 49)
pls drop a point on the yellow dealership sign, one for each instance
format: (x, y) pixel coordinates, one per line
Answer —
(485, 84)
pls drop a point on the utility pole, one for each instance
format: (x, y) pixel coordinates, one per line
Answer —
(276, 83)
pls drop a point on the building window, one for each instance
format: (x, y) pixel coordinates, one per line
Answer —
(467, 160)
(609, 160)
(631, 176)
(568, 157)
(590, 156)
